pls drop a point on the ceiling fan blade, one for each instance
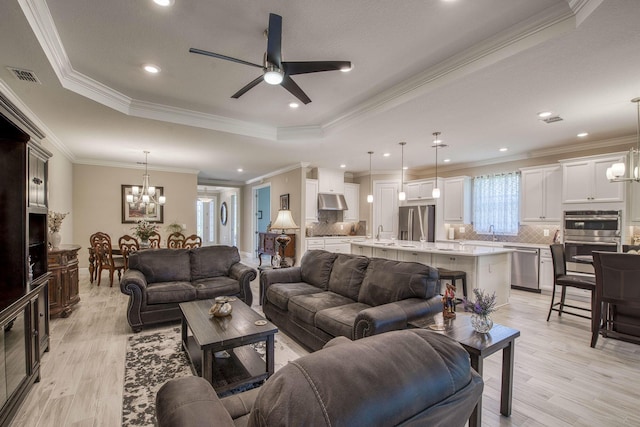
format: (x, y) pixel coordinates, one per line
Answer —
(295, 90)
(227, 58)
(249, 86)
(274, 40)
(304, 67)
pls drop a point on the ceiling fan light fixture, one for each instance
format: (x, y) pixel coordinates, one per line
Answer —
(273, 75)
(347, 69)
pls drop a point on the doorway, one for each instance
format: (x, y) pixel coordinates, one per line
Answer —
(261, 212)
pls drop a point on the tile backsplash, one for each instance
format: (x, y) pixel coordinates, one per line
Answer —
(526, 234)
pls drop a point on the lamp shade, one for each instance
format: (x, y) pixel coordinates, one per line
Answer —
(284, 221)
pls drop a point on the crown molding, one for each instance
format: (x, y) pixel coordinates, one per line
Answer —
(285, 169)
(93, 162)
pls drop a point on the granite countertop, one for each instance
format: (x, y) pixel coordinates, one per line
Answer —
(450, 247)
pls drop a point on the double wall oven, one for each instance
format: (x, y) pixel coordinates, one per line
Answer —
(588, 231)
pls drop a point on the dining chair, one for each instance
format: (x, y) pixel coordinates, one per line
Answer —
(617, 299)
(93, 256)
(193, 241)
(563, 280)
(128, 244)
(154, 240)
(175, 240)
(106, 260)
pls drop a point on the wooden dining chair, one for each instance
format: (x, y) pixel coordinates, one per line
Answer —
(106, 260)
(128, 245)
(94, 262)
(175, 240)
(154, 240)
(563, 280)
(616, 310)
(193, 241)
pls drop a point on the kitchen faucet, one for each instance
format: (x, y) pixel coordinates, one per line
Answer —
(380, 229)
(492, 230)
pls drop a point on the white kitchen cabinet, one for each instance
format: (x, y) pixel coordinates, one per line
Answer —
(584, 180)
(385, 253)
(633, 194)
(456, 194)
(545, 278)
(415, 256)
(316, 243)
(311, 202)
(419, 190)
(540, 194)
(337, 247)
(357, 249)
(352, 197)
(330, 181)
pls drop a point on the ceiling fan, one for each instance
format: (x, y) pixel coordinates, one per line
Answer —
(275, 70)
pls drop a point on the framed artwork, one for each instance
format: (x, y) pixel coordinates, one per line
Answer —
(223, 213)
(131, 213)
(284, 202)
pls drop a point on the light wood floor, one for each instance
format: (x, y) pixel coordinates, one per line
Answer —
(559, 380)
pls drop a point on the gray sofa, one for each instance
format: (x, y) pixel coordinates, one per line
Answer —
(158, 280)
(408, 378)
(332, 295)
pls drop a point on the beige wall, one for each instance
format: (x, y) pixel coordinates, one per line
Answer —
(61, 190)
(97, 201)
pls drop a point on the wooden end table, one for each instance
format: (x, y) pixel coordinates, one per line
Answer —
(479, 346)
(232, 333)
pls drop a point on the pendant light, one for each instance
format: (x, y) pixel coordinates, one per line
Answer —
(370, 195)
(145, 196)
(619, 172)
(402, 195)
(435, 193)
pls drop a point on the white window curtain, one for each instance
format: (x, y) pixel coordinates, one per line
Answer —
(496, 202)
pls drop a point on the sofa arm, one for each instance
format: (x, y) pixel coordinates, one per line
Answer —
(279, 275)
(393, 316)
(190, 402)
(134, 284)
(132, 280)
(244, 275)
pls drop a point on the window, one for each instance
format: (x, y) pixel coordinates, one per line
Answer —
(496, 202)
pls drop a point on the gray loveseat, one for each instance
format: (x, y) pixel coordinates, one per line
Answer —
(409, 378)
(332, 295)
(158, 280)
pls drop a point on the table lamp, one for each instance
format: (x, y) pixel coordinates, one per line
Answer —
(284, 221)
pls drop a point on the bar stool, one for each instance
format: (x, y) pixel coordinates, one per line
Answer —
(454, 275)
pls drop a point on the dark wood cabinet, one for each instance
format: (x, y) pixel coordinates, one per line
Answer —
(24, 308)
(267, 245)
(63, 284)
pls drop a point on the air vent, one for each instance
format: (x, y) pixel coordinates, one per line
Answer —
(24, 75)
(553, 119)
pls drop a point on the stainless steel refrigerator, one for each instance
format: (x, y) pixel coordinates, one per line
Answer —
(409, 227)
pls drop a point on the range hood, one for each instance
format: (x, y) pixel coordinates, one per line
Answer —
(331, 202)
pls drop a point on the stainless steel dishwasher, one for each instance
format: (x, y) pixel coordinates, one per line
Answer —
(524, 268)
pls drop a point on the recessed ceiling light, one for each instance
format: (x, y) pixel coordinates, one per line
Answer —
(504, 149)
(293, 105)
(446, 160)
(164, 3)
(405, 167)
(151, 69)
(240, 169)
(343, 166)
(582, 134)
(386, 154)
(544, 114)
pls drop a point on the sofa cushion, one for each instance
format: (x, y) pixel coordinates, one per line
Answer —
(305, 307)
(389, 281)
(278, 294)
(162, 265)
(338, 321)
(212, 261)
(315, 267)
(347, 274)
(216, 287)
(170, 292)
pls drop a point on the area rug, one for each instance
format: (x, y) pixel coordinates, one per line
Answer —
(152, 359)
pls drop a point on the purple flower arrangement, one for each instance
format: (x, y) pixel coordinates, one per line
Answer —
(484, 304)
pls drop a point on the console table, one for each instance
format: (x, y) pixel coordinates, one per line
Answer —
(63, 285)
(267, 245)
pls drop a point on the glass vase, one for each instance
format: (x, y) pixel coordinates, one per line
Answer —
(145, 244)
(481, 323)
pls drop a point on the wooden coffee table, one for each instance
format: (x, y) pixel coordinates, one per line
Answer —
(204, 335)
(480, 346)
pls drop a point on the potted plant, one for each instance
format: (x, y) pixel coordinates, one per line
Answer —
(481, 310)
(54, 223)
(174, 227)
(143, 230)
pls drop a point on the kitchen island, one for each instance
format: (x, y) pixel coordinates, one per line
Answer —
(487, 268)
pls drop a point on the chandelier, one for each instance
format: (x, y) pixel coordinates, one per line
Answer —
(145, 196)
(621, 172)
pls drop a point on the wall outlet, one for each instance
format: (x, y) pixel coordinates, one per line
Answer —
(461, 229)
(546, 232)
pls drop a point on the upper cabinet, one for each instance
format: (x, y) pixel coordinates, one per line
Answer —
(352, 196)
(37, 177)
(330, 181)
(584, 180)
(311, 201)
(456, 194)
(419, 190)
(541, 194)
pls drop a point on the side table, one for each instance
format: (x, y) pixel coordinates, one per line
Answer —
(63, 285)
(479, 346)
